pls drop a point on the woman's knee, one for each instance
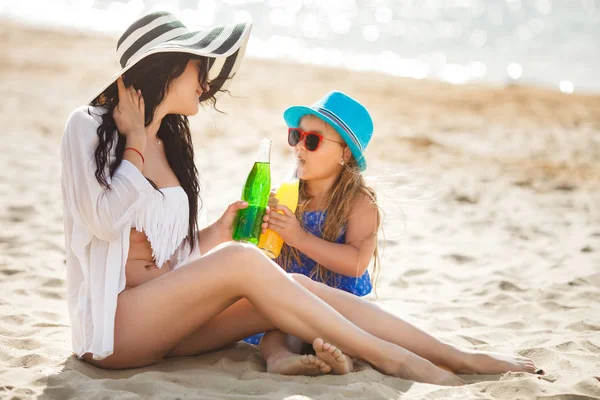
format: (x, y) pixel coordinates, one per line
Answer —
(247, 257)
(236, 252)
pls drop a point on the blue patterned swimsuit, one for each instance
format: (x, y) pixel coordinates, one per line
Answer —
(313, 222)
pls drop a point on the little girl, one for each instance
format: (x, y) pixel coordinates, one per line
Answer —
(332, 238)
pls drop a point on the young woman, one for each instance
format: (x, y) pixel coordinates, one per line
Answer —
(143, 283)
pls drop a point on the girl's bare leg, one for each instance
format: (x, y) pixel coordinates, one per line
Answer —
(282, 355)
(390, 328)
(156, 316)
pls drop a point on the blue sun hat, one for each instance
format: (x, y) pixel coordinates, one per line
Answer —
(347, 116)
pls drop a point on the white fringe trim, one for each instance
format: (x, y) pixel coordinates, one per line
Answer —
(164, 218)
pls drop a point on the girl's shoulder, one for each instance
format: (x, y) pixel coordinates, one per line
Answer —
(364, 200)
(363, 210)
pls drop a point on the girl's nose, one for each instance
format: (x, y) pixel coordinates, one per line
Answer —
(301, 145)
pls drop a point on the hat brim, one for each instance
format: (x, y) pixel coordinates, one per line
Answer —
(294, 114)
(225, 64)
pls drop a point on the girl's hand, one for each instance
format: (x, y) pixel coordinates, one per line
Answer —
(286, 225)
(129, 112)
(225, 223)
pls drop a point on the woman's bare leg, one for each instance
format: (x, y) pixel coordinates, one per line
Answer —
(242, 320)
(157, 315)
(231, 325)
(390, 328)
(281, 352)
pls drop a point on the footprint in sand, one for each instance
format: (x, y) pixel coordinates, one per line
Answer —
(339, 362)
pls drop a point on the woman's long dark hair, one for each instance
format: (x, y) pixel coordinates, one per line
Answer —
(152, 76)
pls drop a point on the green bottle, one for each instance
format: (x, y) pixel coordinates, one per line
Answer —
(256, 192)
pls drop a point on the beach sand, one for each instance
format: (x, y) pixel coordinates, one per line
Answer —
(493, 224)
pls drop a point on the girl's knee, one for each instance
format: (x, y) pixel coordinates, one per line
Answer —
(305, 281)
(317, 288)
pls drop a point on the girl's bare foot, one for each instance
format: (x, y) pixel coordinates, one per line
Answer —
(482, 362)
(339, 362)
(296, 364)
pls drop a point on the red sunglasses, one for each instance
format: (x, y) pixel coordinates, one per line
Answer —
(313, 139)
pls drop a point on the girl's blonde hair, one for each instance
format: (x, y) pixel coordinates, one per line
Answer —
(338, 203)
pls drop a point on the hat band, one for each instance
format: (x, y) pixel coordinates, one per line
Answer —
(343, 125)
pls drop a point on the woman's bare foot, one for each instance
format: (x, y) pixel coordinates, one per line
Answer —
(482, 362)
(415, 368)
(296, 364)
(339, 362)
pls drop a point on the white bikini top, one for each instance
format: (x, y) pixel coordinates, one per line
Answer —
(164, 217)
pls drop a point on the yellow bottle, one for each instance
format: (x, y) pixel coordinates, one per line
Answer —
(287, 195)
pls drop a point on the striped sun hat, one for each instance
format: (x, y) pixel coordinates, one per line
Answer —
(162, 32)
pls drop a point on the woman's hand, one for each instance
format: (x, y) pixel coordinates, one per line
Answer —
(286, 225)
(273, 201)
(129, 112)
(224, 224)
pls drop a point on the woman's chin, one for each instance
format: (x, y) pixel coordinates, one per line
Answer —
(188, 111)
(193, 110)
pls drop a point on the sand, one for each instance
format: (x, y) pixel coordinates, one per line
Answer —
(493, 227)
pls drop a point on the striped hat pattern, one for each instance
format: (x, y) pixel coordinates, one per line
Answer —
(162, 32)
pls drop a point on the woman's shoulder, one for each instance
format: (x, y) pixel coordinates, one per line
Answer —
(87, 115)
(83, 123)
